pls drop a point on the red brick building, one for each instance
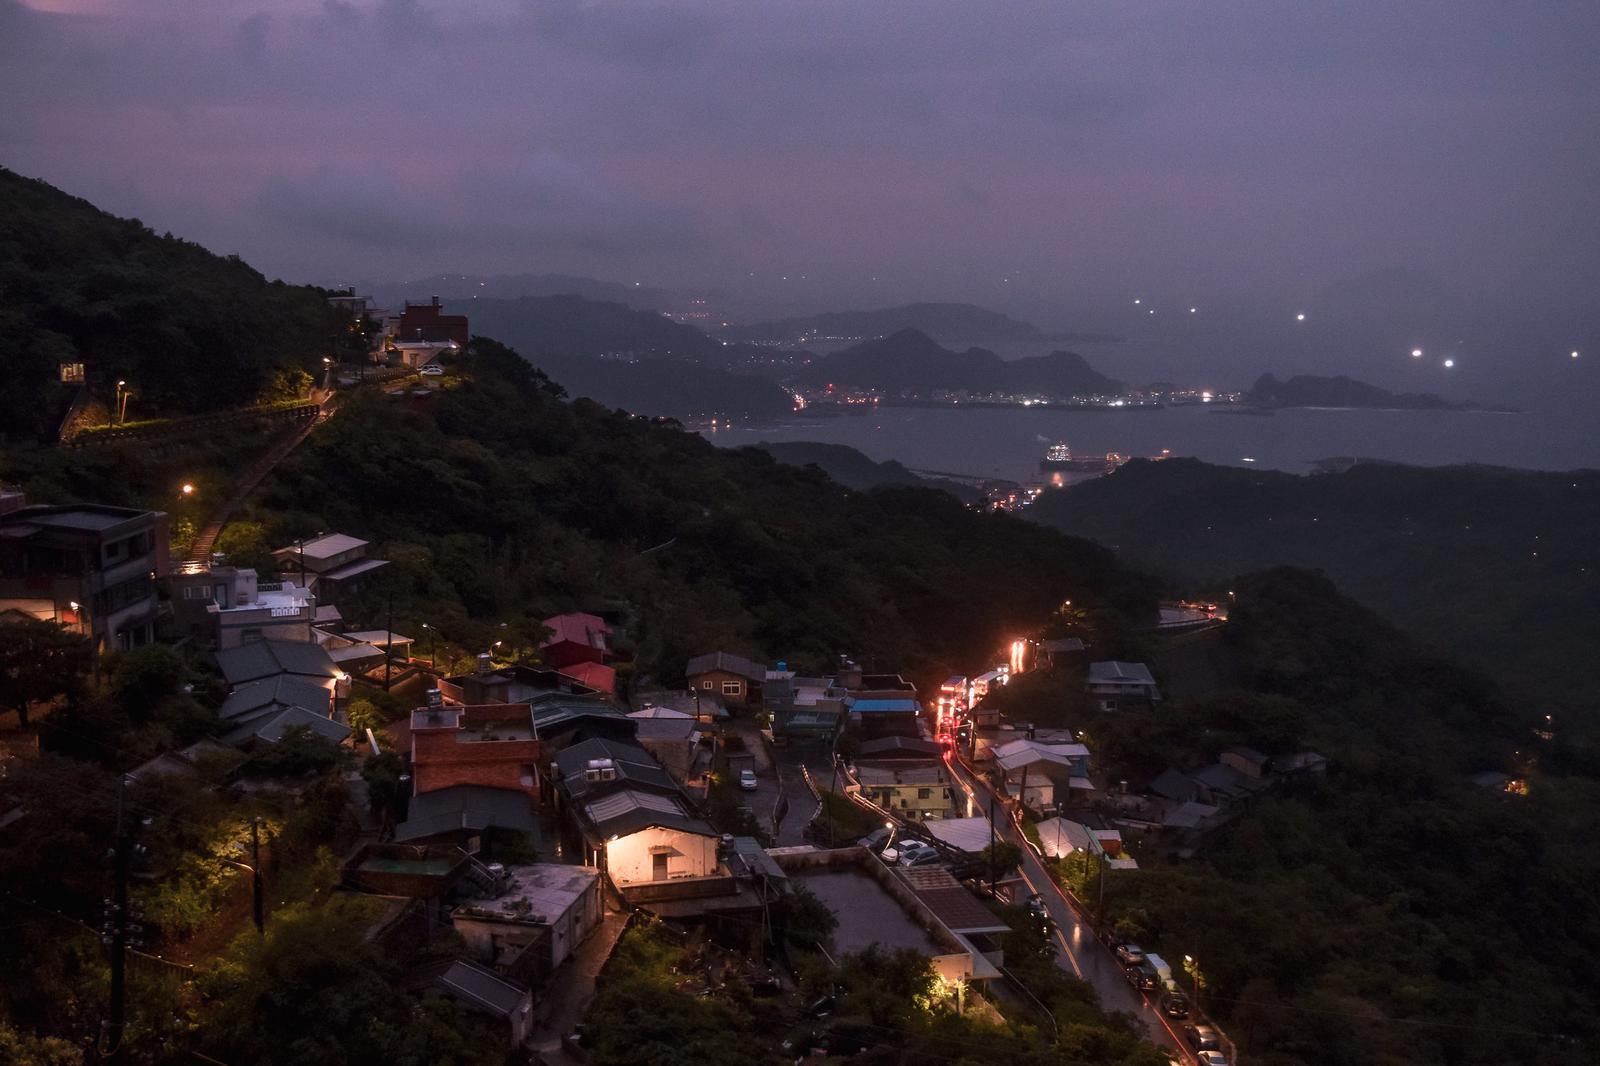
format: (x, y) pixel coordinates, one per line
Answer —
(489, 745)
(428, 322)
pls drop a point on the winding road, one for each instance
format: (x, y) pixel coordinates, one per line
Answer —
(1082, 955)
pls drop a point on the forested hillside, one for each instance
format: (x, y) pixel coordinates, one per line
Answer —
(496, 498)
(1495, 567)
(187, 330)
(1389, 910)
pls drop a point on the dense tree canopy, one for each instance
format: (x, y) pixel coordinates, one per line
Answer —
(188, 330)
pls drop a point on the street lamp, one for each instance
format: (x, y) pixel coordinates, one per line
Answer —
(1194, 973)
(887, 844)
(119, 404)
(188, 489)
(432, 663)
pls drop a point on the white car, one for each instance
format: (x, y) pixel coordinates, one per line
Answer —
(1213, 1058)
(432, 370)
(747, 780)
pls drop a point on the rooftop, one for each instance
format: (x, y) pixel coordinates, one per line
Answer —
(469, 807)
(262, 659)
(537, 893)
(324, 547)
(866, 913)
(629, 810)
(1113, 672)
(78, 517)
(726, 663)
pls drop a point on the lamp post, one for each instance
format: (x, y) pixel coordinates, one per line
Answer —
(432, 663)
(117, 403)
(1194, 974)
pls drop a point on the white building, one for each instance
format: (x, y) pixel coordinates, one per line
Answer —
(1115, 684)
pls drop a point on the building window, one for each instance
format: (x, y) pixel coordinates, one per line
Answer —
(706, 685)
(731, 688)
(923, 793)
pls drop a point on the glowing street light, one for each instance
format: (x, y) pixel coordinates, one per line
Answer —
(188, 489)
(1448, 363)
(1416, 353)
(1301, 317)
(1574, 354)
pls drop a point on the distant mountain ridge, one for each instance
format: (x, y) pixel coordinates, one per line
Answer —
(912, 362)
(854, 469)
(951, 321)
(513, 286)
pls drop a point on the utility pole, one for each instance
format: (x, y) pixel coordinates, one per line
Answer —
(118, 933)
(994, 875)
(256, 886)
(388, 642)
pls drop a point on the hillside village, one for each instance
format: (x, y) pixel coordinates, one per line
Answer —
(536, 809)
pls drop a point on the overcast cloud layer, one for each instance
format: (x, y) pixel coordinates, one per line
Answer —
(1052, 158)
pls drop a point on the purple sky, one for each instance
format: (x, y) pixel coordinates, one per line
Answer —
(1051, 158)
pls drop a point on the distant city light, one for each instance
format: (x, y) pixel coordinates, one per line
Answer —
(1416, 353)
(1247, 459)
(1574, 355)
(1301, 317)
(1137, 300)
(1192, 310)
(1449, 363)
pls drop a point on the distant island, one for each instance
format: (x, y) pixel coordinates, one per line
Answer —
(911, 364)
(946, 321)
(1311, 390)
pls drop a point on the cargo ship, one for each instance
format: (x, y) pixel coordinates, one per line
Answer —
(1058, 459)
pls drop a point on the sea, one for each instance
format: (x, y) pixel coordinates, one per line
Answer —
(1009, 442)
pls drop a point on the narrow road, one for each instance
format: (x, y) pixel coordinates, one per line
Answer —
(1082, 955)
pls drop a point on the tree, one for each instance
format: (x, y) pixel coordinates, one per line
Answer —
(805, 921)
(362, 715)
(38, 661)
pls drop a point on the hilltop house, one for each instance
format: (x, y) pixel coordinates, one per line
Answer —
(90, 567)
(224, 606)
(480, 990)
(735, 679)
(1043, 775)
(332, 565)
(1117, 684)
(428, 322)
(492, 746)
(630, 818)
(532, 918)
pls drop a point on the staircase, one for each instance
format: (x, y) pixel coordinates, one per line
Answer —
(206, 539)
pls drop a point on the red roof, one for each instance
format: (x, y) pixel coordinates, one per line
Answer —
(578, 628)
(598, 677)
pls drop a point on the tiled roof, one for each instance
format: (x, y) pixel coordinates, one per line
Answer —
(472, 807)
(725, 662)
(267, 658)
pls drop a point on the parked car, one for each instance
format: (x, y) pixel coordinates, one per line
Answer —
(1037, 908)
(1200, 1037)
(1130, 954)
(747, 780)
(432, 370)
(1175, 1005)
(1143, 977)
(876, 840)
(1213, 1058)
(920, 855)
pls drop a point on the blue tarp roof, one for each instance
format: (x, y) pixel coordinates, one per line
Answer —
(887, 706)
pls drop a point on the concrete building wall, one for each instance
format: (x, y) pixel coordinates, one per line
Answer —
(631, 859)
